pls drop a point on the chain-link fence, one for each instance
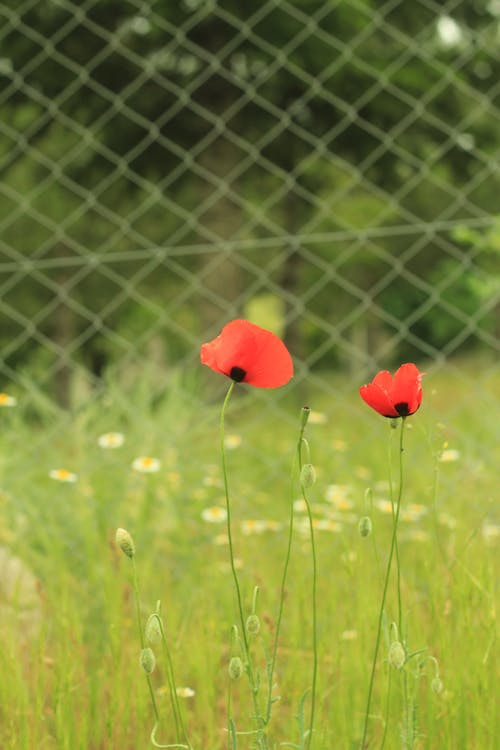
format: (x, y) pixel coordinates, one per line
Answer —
(328, 168)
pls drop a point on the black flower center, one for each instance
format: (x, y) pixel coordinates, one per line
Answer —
(402, 409)
(237, 374)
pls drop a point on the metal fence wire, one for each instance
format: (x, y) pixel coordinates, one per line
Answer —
(328, 168)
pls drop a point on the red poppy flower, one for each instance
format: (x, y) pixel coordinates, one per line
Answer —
(397, 396)
(249, 354)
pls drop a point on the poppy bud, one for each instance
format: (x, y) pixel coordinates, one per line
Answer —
(437, 685)
(397, 655)
(252, 624)
(148, 661)
(307, 475)
(235, 668)
(365, 526)
(152, 631)
(125, 542)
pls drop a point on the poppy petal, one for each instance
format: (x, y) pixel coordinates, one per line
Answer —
(384, 380)
(256, 355)
(378, 399)
(407, 387)
(231, 348)
(272, 364)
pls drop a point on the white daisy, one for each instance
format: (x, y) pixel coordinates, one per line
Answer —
(146, 464)
(185, 692)
(7, 401)
(214, 514)
(63, 475)
(111, 440)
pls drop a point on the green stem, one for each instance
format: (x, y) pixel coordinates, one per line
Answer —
(314, 605)
(261, 736)
(387, 708)
(393, 509)
(179, 721)
(283, 579)
(386, 585)
(141, 636)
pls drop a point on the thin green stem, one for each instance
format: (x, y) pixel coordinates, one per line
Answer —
(386, 585)
(179, 720)
(262, 740)
(387, 708)
(141, 636)
(393, 509)
(314, 593)
(283, 581)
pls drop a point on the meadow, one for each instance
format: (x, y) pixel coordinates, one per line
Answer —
(70, 672)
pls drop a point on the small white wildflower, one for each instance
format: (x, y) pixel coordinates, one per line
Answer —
(111, 440)
(232, 441)
(349, 635)
(253, 526)
(385, 506)
(63, 475)
(214, 514)
(317, 417)
(448, 455)
(185, 692)
(490, 531)
(146, 464)
(7, 401)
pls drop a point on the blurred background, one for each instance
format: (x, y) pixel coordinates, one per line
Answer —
(327, 168)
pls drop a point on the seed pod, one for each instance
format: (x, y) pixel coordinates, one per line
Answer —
(252, 624)
(125, 542)
(397, 655)
(148, 661)
(365, 526)
(307, 475)
(235, 668)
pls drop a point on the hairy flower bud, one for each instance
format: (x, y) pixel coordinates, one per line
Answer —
(148, 661)
(397, 655)
(252, 624)
(125, 542)
(307, 475)
(437, 685)
(152, 631)
(365, 526)
(235, 668)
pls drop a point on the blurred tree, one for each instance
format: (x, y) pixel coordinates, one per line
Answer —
(130, 125)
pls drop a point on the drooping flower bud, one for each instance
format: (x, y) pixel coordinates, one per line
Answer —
(252, 624)
(152, 631)
(307, 475)
(365, 526)
(437, 685)
(235, 668)
(148, 660)
(125, 542)
(397, 655)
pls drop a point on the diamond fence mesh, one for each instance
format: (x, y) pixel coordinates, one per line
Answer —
(327, 168)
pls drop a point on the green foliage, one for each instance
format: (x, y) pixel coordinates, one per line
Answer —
(133, 127)
(70, 643)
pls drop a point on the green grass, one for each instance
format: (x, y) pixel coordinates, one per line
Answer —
(70, 650)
